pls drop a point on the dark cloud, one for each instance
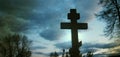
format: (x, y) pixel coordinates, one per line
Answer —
(43, 14)
(114, 55)
(84, 48)
(87, 46)
(12, 6)
(38, 12)
(40, 53)
(12, 15)
(10, 24)
(99, 45)
(100, 55)
(50, 34)
(47, 54)
(37, 47)
(53, 15)
(86, 8)
(64, 45)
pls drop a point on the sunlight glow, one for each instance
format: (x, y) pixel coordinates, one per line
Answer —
(67, 36)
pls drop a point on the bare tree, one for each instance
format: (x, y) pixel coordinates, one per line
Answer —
(89, 54)
(111, 15)
(15, 46)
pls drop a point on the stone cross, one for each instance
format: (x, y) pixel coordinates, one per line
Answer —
(74, 26)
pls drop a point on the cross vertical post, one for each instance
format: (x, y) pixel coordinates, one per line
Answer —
(74, 26)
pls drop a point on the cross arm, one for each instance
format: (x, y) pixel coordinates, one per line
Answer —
(78, 26)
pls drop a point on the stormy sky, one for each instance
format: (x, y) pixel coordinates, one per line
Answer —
(40, 21)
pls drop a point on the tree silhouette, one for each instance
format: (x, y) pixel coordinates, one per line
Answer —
(51, 54)
(63, 53)
(2, 50)
(89, 54)
(15, 46)
(55, 54)
(111, 15)
(67, 54)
